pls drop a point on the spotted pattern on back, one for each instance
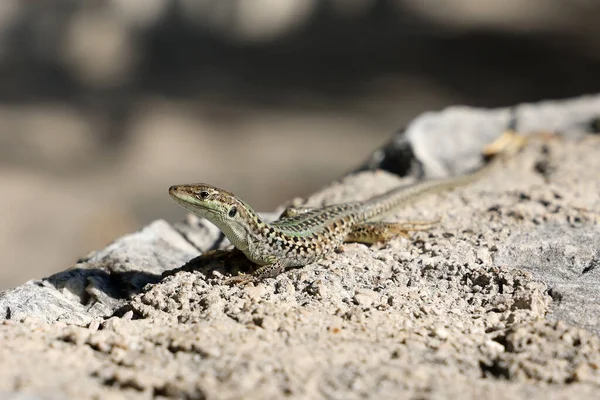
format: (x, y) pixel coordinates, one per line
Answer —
(304, 238)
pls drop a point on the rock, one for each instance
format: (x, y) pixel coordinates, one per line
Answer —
(499, 297)
(567, 259)
(99, 285)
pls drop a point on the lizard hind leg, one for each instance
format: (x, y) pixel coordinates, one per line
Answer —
(374, 232)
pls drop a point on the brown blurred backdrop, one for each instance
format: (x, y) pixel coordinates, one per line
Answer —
(104, 104)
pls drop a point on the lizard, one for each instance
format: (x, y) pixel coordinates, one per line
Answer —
(302, 236)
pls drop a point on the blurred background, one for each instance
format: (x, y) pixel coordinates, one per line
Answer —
(105, 104)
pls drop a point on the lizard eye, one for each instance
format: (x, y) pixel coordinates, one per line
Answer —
(203, 194)
(232, 211)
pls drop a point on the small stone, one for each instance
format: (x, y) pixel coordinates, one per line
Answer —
(113, 324)
(94, 325)
(441, 333)
(363, 300)
(317, 288)
(428, 261)
(303, 276)
(127, 316)
(217, 274)
(492, 319)
(284, 286)
(494, 348)
(483, 256)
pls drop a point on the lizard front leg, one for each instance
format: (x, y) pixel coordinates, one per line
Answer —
(264, 271)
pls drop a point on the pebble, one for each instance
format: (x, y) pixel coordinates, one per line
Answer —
(363, 300)
(441, 333)
(494, 348)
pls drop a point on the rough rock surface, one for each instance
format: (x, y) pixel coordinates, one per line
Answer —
(500, 298)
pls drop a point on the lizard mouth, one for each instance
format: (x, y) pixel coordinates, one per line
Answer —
(186, 199)
(181, 195)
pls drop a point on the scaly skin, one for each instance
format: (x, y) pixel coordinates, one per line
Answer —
(311, 234)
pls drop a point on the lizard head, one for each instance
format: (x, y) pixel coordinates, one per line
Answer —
(230, 214)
